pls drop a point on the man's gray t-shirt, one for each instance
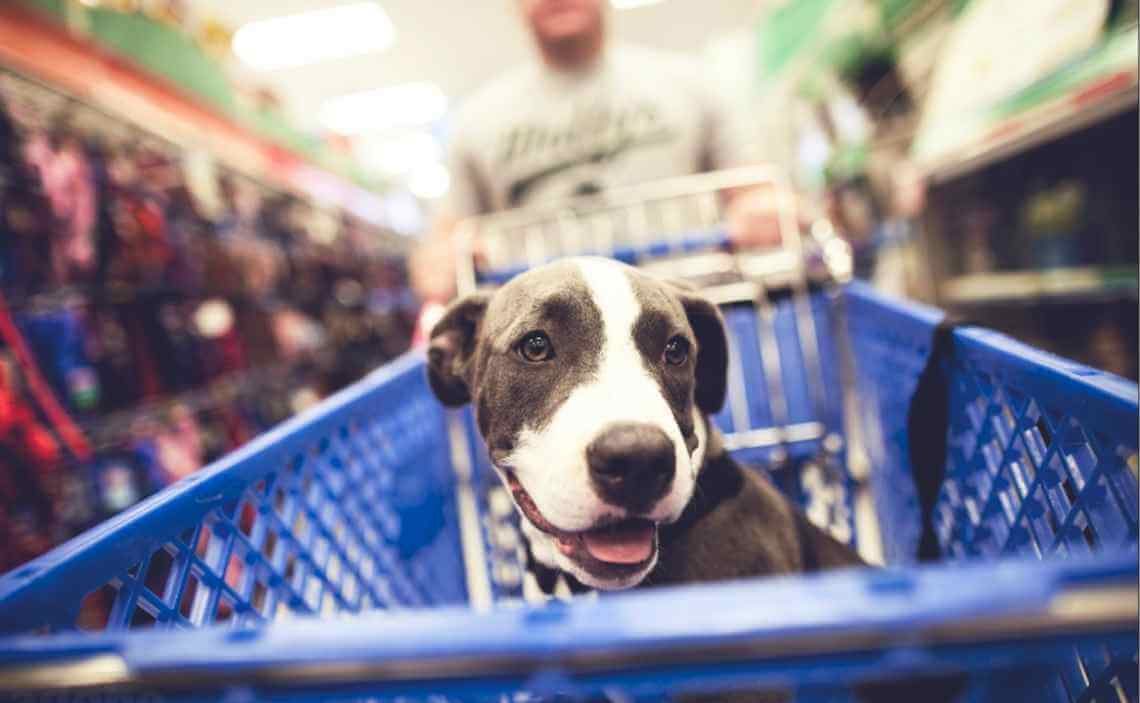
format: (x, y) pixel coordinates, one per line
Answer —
(537, 135)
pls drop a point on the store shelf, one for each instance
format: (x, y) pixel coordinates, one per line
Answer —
(1024, 133)
(35, 48)
(1079, 284)
(112, 429)
(1094, 88)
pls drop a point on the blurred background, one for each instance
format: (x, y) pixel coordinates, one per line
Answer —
(207, 206)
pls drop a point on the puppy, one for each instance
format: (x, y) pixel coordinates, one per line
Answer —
(592, 384)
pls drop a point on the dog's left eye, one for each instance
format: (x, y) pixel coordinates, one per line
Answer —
(677, 351)
(536, 347)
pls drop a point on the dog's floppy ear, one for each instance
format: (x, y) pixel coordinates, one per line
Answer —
(452, 347)
(712, 348)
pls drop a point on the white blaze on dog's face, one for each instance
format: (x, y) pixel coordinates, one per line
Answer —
(588, 379)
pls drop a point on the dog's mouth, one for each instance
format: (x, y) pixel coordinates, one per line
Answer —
(610, 550)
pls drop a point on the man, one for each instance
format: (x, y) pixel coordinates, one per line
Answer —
(588, 116)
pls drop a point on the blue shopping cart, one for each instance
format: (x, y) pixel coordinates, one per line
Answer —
(362, 551)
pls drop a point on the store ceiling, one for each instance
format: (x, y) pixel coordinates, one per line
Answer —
(460, 44)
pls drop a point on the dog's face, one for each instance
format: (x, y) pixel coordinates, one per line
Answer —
(589, 380)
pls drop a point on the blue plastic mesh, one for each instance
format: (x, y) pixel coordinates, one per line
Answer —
(338, 512)
(1041, 458)
(890, 349)
(499, 520)
(1024, 476)
(1027, 478)
(352, 507)
(809, 390)
(811, 472)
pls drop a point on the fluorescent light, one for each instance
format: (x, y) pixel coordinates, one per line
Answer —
(312, 37)
(430, 182)
(399, 154)
(633, 4)
(406, 105)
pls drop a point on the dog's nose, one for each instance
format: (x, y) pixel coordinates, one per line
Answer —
(631, 465)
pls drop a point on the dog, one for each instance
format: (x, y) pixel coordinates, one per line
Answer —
(592, 384)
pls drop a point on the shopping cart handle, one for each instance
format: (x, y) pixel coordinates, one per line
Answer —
(859, 616)
(715, 239)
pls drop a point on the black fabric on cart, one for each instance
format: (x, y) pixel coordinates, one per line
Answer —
(927, 421)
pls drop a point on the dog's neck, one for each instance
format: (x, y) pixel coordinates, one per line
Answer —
(710, 488)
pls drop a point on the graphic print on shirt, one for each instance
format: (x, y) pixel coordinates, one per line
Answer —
(571, 155)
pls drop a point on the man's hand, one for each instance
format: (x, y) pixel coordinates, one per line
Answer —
(431, 266)
(754, 216)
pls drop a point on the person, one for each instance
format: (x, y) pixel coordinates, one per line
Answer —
(588, 115)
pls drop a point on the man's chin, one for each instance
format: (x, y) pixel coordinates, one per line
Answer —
(568, 27)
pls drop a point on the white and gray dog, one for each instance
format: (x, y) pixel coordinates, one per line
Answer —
(592, 385)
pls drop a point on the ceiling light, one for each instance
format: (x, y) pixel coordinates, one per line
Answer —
(407, 105)
(312, 37)
(430, 182)
(632, 4)
(397, 155)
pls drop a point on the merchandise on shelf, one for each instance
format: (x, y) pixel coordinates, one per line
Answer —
(172, 311)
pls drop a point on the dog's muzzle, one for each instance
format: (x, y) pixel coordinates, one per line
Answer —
(631, 465)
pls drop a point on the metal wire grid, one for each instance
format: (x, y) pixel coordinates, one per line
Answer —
(650, 220)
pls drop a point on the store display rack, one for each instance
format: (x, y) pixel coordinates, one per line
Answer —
(1086, 283)
(108, 431)
(1093, 88)
(239, 383)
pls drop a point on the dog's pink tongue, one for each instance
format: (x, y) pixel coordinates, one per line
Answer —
(628, 543)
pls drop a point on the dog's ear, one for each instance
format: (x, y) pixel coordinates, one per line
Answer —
(452, 347)
(712, 348)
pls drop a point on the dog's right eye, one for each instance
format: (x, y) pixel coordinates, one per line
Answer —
(536, 347)
(677, 351)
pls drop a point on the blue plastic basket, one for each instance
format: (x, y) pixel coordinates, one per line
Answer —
(375, 502)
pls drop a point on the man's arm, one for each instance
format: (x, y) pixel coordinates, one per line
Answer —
(432, 263)
(752, 213)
